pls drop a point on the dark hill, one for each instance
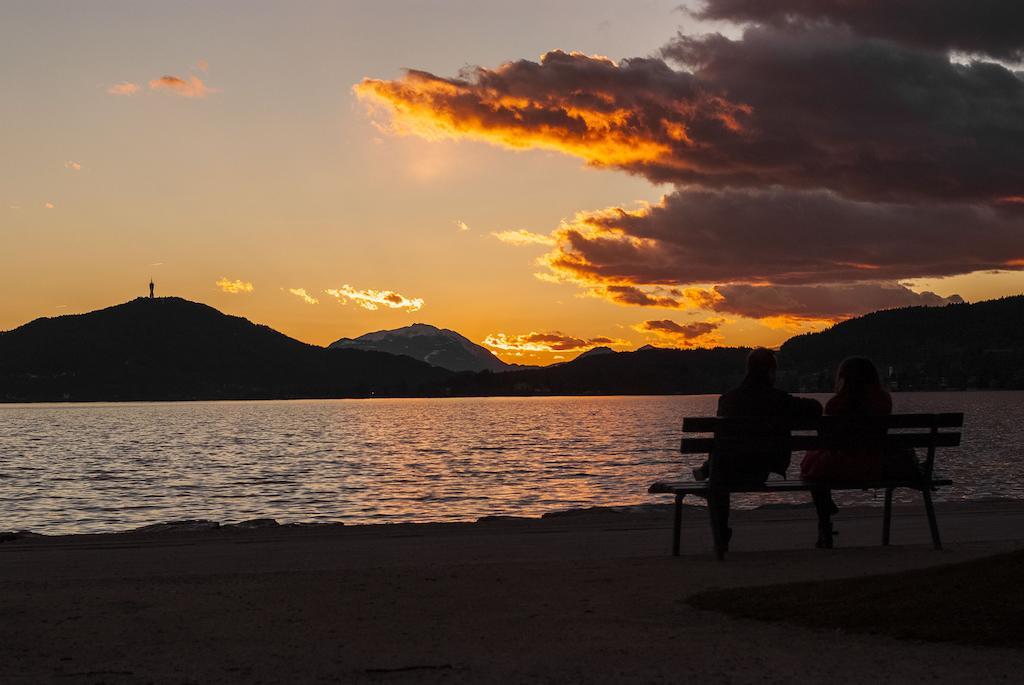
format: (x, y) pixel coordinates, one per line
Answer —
(977, 345)
(170, 348)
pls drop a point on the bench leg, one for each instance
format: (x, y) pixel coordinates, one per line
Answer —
(887, 517)
(716, 536)
(677, 525)
(929, 508)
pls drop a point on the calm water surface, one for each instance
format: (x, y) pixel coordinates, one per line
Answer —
(101, 467)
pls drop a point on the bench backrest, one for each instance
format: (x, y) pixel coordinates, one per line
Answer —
(761, 434)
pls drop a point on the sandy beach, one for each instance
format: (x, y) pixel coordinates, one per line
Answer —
(586, 597)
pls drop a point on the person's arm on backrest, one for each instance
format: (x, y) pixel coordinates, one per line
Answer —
(885, 403)
(725, 408)
(804, 407)
(725, 405)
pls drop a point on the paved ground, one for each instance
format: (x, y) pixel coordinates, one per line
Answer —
(585, 598)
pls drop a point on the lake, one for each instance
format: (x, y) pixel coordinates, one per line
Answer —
(68, 468)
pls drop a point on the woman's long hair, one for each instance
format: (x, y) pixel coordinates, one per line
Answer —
(857, 381)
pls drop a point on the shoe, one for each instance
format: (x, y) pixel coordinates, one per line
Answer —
(825, 535)
(700, 474)
(721, 550)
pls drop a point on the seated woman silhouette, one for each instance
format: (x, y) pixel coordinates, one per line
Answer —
(859, 392)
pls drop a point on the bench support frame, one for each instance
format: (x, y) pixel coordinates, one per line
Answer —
(743, 435)
(887, 517)
(929, 508)
(926, 495)
(677, 525)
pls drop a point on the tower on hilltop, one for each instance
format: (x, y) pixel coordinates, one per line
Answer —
(151, 286)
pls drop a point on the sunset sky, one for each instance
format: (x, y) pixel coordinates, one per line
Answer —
(539, 176)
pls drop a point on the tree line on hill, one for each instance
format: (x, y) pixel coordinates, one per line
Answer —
(958, 346)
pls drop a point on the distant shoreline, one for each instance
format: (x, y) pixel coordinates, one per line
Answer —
(8, 402)
(187, 351)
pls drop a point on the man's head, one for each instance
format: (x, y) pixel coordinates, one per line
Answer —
(761, 365)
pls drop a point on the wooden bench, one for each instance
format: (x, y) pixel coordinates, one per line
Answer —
(760, 435)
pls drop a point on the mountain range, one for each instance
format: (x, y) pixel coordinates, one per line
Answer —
(437, 346)
(173, 349)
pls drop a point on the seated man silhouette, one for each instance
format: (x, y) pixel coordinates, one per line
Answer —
(756, 396)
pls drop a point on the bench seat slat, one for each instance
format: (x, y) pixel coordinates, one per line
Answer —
(753, 443)
(709, 424)
(685, 487)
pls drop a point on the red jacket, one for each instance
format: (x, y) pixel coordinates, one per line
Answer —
(855, 464)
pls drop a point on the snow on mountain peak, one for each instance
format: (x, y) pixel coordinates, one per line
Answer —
(437, 346)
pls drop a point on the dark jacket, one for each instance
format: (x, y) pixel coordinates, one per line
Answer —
(756, 397)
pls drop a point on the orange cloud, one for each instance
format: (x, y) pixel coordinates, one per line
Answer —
(73, 166)
(790, 307)
(462, 225)
(615, 119)
(669, 298)
(797, 324)
(123, 88)
(523, 237)
(554, 341)
(235, 287)
(694, 334)
(191, 88)
(375, 299)
(303, 295)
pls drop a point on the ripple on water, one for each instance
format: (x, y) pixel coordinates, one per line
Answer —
(87, 468)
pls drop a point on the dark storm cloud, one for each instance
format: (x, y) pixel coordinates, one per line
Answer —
(835, 301)
(819, 160)
(991, 27)
(790, 106)
(782, 237)
(864, 117)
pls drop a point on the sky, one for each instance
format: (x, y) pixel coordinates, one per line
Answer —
(542, 177)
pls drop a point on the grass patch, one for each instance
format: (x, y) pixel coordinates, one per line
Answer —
(976, 603)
